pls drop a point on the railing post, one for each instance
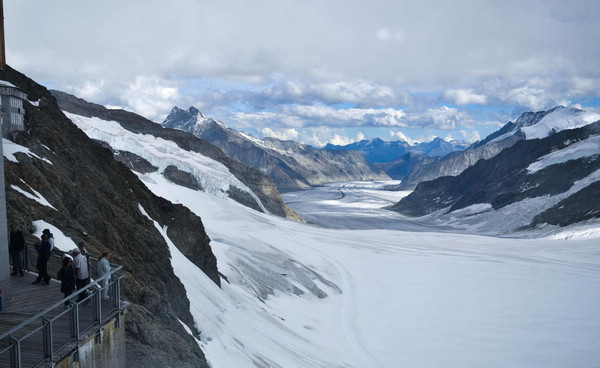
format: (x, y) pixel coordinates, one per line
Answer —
(75, 321)
(97, 306)
(47, 341)
(26, 258)
(15, 353)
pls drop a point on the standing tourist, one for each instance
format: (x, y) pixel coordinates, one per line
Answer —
(66, 275)
(104, 271)
(85, 253)
(50, 238)
(16, 245)
(44, 252)
(82, 272)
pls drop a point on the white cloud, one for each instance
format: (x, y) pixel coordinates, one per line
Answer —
(262, 63)
(470, 136)
(150, 96)
(464, 97)
(398, 135)
(284, 135)
(444, 118)
(386, 34)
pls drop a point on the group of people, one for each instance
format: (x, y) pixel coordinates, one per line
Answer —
(75, 273)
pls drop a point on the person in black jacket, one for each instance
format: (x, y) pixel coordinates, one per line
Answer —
(16, 245)
(66, 275)
(44, 253)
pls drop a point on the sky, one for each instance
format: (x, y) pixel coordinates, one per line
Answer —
(317, 71)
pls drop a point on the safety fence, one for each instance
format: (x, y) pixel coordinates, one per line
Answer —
(46, 337)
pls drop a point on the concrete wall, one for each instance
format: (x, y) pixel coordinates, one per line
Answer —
(104, 349)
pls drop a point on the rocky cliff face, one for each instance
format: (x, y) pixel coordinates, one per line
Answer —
(96, 198)
(291, 165)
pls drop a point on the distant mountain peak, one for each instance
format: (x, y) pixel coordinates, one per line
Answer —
(190, 120)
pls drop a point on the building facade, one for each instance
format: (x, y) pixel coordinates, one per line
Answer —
(12, 113)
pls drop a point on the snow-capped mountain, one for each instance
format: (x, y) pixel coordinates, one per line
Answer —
(554, 179)
(529, 125)
(380, 151)
(291, 165)
(399, 158)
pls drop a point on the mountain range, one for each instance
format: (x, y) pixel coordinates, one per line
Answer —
(547, 173)
(291, 165)
(528, 125)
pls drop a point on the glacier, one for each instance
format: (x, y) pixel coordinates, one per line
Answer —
(362, 287)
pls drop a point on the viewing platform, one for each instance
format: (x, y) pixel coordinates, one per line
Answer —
(37, 330)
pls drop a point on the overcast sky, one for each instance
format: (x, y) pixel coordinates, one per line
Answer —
(317, 71)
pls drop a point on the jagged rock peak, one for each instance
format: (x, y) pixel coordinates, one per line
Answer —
(188, 120)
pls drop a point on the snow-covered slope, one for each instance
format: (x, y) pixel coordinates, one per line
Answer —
(214, 177)
(394, 298)
(299, 295)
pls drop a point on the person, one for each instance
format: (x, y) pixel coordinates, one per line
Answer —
(50, 238)
(84, 252)
(66, 275)
(16, 245)
(104, 270)
(43, 249)
(82, 272)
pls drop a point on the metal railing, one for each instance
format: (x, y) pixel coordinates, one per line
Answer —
(36, 340)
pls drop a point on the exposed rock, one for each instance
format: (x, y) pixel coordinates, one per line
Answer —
(182, 178)
(97, 199)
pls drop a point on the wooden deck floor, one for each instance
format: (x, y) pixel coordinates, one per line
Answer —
(29, 300)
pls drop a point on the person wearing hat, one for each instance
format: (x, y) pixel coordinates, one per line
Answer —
(82, 272)
(44, 252)
(50, 238)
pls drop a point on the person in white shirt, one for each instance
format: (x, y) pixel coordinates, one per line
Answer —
(82, 272)
(104, 270)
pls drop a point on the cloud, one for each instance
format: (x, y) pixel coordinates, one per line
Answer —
(470, 136)
(398, 135)
(464, 97)
(444, 118)
(291, 65)
(284, 135)
(386, 34)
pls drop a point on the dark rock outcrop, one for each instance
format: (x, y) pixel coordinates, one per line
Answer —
(97, 199)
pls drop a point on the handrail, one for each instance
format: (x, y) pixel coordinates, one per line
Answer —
(62, 301)
(15, 344)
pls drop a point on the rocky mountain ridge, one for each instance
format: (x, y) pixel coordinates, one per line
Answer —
(378, 151)
(291, 165)
(552, 180)
(529, 125)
